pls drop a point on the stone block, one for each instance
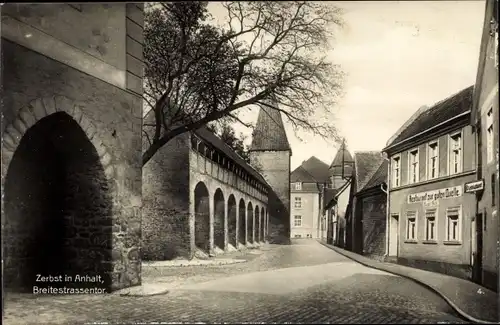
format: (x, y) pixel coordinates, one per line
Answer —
(49, 104)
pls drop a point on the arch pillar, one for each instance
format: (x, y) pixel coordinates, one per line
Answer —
(237, 207)
(226, 222)
(211, 239)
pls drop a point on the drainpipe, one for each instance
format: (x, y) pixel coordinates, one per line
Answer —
(387, 206)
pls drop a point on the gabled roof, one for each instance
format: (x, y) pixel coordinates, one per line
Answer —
(342, 157)
(269, 133)
(317, 168)
(219, 144)
(379, 177)
(300, 174)
(366, 164)
(440, 112)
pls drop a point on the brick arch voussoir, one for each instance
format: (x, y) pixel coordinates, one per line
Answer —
(43, 107)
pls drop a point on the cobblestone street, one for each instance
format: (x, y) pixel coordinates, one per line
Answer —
(304, 282)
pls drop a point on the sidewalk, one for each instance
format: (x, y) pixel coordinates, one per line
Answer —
(472, 301)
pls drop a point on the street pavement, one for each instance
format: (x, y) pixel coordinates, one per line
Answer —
(302, 283)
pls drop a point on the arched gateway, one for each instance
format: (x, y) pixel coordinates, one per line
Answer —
(58, 211)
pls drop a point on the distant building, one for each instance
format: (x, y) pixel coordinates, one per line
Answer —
(271, 154)
(337, 199)
(429, 216)
(309, 182)
(485, 120)
(365, 227)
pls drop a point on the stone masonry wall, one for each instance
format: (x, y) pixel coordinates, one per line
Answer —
(111, 117)
(374, 221)
(166, 201)
(275, 167)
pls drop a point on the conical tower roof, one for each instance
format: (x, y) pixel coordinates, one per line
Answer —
(269, 133)
(343, 159)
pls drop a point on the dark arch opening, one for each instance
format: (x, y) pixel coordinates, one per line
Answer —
(58, 209)
(219, 215)
(242, 219)
(263, 226)
(231, 221)
(202, 217)
(257, 223)
(250, 223)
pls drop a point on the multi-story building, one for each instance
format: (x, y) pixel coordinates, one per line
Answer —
(485, 120)
(430, 218)
(309, 183)
(71, 143)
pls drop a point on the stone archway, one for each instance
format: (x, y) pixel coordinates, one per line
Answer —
(231, 220)
(257, 224)
(243, 223)
(202, 217)
(219, 216)
(58, 207)
(250, 223)
(263, 225)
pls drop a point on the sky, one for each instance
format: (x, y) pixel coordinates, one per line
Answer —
(398, 56)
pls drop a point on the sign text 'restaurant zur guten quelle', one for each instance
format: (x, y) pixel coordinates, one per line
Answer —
(431, 198)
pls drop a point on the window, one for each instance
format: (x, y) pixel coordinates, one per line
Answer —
(396, 171)
(411, 225)
(413, 166)
(430, 225)
(455, 153)
(453, 224)
(489, 136)
(297, 221)
(298, 186)
(433, 163)
(298, 202)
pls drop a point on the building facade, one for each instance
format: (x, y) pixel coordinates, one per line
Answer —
(485, 120)
(366, 203)
(71, 151)
(336, 208)
(310, 186)
(305, 209)
(430, 217)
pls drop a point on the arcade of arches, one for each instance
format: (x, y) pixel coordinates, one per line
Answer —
(232, 224)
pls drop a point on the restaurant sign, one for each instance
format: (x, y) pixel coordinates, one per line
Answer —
(472, 187)
(432, 198)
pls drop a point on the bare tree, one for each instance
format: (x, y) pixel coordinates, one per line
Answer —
(197, 71)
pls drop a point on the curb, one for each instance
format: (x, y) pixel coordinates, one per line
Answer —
(448, 301)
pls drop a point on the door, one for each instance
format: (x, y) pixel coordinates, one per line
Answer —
(394, 236)
(477, 251)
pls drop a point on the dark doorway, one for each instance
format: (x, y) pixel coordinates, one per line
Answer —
(477, 248)
(219, 215)
(58, 210)
(231, 221)
(243, 224)
(202, 217)
(250, 223)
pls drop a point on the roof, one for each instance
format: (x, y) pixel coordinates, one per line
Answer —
(366, 164)
(379, 177)
(300, 174)
(343, 156)
(440, 112)
(329, 195)
(269, 133)
(219, 144)
(317, 168)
